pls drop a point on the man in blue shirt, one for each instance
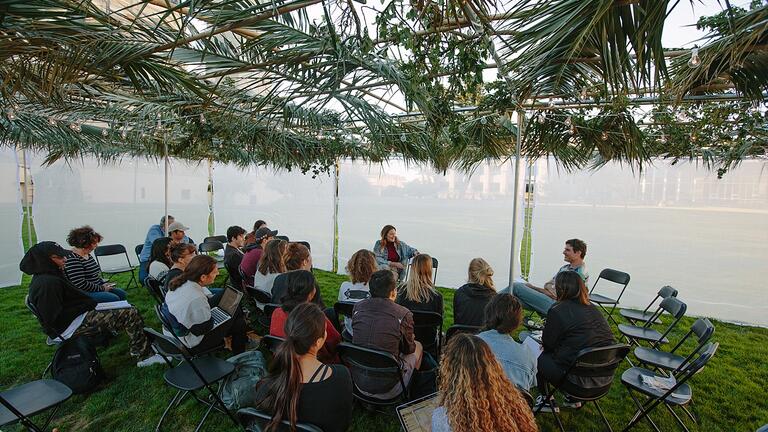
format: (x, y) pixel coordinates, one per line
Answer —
(154, 233)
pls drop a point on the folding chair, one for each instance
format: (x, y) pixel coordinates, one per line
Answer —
(343, 309)
(155, 289)
(20, 403)
(526, 395)
(271, 343)
(138, 250)
(617, 277)
(435, 264)
(112, 250)
(636, 334)
(257, 421)
(191, 375)
(213, 246)
(636, 317)
(590, 362)
(219, 238)
(680, 394)
(672, 361)
(428, 329)
(763, 428)
(460, 328)
(373, 371)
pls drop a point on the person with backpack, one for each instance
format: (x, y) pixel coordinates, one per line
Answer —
(65, 311)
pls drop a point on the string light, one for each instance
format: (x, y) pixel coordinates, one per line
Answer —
(573, 129)
(124, 134)
(202, 119)
(695, 61)
(76, 127)
(483, 120)
(104, 133)
(11, 114)
(663, 139)
(551, 104)
(403, 138)
(604, 136)
(584, 93)
(51, 121)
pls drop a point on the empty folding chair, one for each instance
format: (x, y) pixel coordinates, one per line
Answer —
(373, 372)
(637, 334)
(213, 246)
(191, 375)
(637, 317)
(257, 421)
(460, 328)
(598, 362)
(679, 394)
(672, 360)
(428, 329)
(20, 403)
(155, 289)
(615, 276)
(118, 267)
(219, 238)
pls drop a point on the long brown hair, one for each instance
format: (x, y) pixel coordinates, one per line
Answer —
(570, 286)
(272, 259)
(419, 287)
(361, 266)
(384, 231)
(295, 255)
(304, 326)
(179, 250)
(476, 393)
(200, 266)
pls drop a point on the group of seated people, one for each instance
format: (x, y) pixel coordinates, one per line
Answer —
(307, 383)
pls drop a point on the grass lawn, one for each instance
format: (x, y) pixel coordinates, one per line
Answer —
(729, 395)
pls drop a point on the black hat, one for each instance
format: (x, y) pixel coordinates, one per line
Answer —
(263, 233)
(51, 248)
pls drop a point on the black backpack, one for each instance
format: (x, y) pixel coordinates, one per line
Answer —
(76, 364)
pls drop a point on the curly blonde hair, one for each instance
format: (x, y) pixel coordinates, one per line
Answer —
(476, 393)
(361, 265)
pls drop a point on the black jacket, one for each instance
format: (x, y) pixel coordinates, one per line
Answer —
(57, 301)
(469, 304)
(571, 327)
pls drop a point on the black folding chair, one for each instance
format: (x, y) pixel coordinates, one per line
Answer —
(598, 362)
(20, 403)
(637, 317)
(138, 250)
(672, 361)
(257, 421)
(213, 246)
(637, 379)
(155, 289)
(435, 264)
(637, 334)
(373, 371)
(270, 343)
(615, 276)
(244, 278)
(461, 328)
(428, 329)
(526, 395)
(118, 268)
(191, 375)
(219, 238)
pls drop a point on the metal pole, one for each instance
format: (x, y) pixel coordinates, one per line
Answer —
(336, 217)
(26, 198)
(513, 246)
(165, 147)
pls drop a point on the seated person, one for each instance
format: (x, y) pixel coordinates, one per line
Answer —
(297, 257)
(391, 253)
(181, 254)
(160, 259)
(233, 255)
(155, 232)
(380, 323)
(177, 233)
(541, 299)
(250, 238)
(82, 270)
(270, 265)
(66, 311)
(300, 388)
(302, 288)
(573, 323)
(419, 293)
(470, 300)
(503, 316)
(190, 310)
(360, 267)
(252, 256)
(474, 394)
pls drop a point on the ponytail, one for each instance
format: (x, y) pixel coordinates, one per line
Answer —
(199, 266)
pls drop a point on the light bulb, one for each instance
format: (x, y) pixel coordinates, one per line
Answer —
(568, 121)
(573, 130)
(202, 119)
(403, 138)
(551, 104)
(695, 61)
(75, 127)
(51, 121)
(104, 133)
(11, 114)
(584, 93)
(604, 136)
(663, 139)
(483, 120)
(124, 134)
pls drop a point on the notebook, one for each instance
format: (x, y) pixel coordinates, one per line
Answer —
(227, 307)
(416, 416)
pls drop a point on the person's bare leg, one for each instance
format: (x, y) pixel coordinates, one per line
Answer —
(419, 354)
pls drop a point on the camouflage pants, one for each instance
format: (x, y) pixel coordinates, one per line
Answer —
(117, 320)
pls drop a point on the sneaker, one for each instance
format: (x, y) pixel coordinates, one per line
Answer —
(152, 360)
(545, 405)
(571, 404)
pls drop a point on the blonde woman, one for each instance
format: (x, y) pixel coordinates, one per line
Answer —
(465, 406)
(470, 300)
(419, 293)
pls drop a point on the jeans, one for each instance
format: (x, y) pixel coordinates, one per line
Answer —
(115, 294)
(530, 298)
(143, 271)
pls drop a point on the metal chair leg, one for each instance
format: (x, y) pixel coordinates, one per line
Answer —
(679, 420)
(167, 409)
(602, 414)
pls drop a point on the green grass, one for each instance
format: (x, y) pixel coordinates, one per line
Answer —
(729, 395)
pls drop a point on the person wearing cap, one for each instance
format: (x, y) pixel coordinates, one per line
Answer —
(155, 232)
(177, 233)
(250, 261)
(64, 311)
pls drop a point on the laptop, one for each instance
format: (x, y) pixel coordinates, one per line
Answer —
(416, 416)
(227, 307)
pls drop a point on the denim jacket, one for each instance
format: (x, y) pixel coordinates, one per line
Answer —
(406, 252)
(518, 362)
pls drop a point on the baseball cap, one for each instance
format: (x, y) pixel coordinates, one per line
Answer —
(263, 232)
(177, 226)
(51, 248)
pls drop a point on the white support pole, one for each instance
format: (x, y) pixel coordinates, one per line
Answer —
(165, 199)
(335, 254)
(26, 198)
(513, 246)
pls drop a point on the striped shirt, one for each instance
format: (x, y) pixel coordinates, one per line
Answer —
(83, 273)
